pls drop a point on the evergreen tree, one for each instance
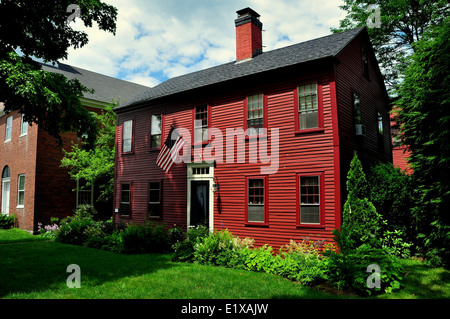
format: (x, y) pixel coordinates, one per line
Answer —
(361, 224)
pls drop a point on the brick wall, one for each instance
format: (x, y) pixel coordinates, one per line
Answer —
(19, 154)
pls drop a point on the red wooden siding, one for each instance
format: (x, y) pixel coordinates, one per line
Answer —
(350, 79)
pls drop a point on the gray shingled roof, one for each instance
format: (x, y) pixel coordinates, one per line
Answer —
(327, 46)
(106, 88)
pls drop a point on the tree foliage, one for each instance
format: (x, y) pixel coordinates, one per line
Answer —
(95, 165)
(402, 23)
(424, 116)
(38, 29)
(361, 223)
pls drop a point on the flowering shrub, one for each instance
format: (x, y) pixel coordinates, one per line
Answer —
(48, 231)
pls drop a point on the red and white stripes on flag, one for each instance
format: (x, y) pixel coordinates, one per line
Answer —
(169, 151)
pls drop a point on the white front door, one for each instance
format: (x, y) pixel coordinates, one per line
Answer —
(5, 196)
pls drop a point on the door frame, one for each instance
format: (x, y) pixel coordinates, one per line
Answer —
(4, 199)
(195, 173)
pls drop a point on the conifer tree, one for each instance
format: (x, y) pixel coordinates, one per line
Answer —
(361, 224)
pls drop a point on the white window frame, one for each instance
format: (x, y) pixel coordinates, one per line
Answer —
(20, 191)
(128, 136)
(9, 124)
(91, 190)
(23, 127)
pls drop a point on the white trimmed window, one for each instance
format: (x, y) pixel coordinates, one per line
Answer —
(85, 193)
(9, 123)
(21, 191)
(23, 127)
(308, 111)
(155, 138)
(127, 136)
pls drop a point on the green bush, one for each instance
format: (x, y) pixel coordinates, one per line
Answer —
(391, 192)
(176, 235)
(144, 238)
(217, 249)
(184, 250)
(72, 229)
(349, 271)
(393, 243)
(7, 221)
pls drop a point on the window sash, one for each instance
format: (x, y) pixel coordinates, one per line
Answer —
(127, 135)
(84, 193)
(310, 201)
(308, 106)
(201, 123)
(357, 109)
(255, 200)
(9, 122)
(154, 199)
(21, 190)
(255, 114)
(23, 127)
(125, 199)
(155, 134)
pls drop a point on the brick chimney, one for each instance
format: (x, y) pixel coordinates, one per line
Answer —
(248, 34)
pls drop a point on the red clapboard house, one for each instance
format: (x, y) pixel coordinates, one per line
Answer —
(266, 140)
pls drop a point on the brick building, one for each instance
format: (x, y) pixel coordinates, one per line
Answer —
(33, 185)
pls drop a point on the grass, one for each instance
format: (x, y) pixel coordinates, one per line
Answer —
(36, 269)
(17, 235)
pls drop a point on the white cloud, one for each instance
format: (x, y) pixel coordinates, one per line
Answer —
(156, 40)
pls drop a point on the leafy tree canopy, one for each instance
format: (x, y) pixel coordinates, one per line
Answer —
(38, 29)
(424, 116)
(96, 165)
(401, 24)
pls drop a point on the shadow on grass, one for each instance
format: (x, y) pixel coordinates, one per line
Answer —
(38, 266)
(425, 282)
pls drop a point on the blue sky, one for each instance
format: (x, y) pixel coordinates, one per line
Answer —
(157, 40)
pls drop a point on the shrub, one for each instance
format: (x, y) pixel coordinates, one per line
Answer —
(72, 229)
(7, 221)
(394, 244)
(391, 192)
(218, 249)
(303, 262)
(349, 271)
(184, 250)
(48, 231)
(176, 235)
(145, 238)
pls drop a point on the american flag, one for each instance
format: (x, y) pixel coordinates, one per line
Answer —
(169, 150)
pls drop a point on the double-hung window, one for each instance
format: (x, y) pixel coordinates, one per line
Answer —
(155, 134)
(310, 200)
(255, 115)
(127, 136)
(21, 191)
(9, 123)
(125, 199)
(357, 109)
(85, 193)
(154, 199)
(380, 136)
(308, 107)
(23, 127)
(257, 201)
(201, 122)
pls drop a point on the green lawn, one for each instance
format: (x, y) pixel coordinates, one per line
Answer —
(33, 268)
(37, 269)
